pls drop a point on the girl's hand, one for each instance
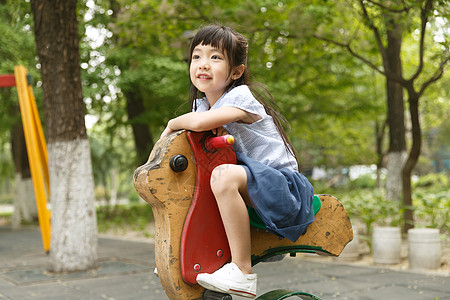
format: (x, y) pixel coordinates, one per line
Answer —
(220, 131)
(166, 131)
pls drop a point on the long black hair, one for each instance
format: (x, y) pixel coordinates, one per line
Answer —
(235, 47)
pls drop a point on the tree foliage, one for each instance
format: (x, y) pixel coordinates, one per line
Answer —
(331, 99)
(17, 48)
(324, 93)
(317, 88)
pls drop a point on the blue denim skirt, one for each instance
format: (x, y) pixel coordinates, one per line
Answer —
(281, 198)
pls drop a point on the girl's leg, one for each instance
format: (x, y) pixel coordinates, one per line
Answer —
(229, 185)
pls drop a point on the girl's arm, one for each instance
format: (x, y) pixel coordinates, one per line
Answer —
(208, 120)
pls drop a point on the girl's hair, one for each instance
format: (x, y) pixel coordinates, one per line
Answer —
(235, 46)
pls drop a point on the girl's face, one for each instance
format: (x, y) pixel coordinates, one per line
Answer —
(210, 71)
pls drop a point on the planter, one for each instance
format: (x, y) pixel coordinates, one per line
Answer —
(424, 248)
(386, 245)
(351, 251)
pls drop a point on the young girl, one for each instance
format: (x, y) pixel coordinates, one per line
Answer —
(266, 177)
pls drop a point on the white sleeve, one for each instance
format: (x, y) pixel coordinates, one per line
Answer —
(242, 98)
(201, 105)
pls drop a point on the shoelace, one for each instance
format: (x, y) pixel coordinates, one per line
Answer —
(228, 269)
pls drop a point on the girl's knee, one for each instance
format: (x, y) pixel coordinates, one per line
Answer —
(227, 178)
(218, 177)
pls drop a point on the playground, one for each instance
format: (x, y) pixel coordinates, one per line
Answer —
(126, 264)
(126, 268)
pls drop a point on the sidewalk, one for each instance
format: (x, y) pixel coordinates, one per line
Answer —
(126, 272)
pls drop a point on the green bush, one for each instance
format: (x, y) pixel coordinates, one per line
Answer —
(133, 196)
(363, 182)
(371, 207)
(431, 205)
(6, 198)
(432, 209)
(433, 180)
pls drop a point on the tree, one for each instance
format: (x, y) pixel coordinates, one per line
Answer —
(24, 199)
(427, 10)
(390, 53)
(135, 108)
(326, 95)
(413, 17)
(390, 48)
(151, 69)
(303, 77)
(74, 224)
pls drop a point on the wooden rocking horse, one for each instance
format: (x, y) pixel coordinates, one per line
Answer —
(190, 237)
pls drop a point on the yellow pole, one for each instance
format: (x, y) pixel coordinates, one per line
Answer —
(40, 136)
(36, 149)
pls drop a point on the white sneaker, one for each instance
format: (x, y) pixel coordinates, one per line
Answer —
(229, 279)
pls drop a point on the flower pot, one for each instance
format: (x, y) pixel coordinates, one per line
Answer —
(424, 248)
(351, 250)
(386, 245)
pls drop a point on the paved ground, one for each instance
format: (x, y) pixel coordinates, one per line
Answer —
(126, 272)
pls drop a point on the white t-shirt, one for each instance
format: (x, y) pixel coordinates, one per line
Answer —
(259, 140)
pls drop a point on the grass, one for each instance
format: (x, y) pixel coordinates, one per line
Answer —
(120, 219)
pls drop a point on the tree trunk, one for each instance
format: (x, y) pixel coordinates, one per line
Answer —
(24, 199)
(74, 223)
(396, 116)
(379, 133)
(413, 99)
(142, 137)
(394, 165)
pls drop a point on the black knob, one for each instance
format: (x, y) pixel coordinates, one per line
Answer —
(178, 163)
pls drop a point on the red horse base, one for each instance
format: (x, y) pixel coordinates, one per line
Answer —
(190, 237)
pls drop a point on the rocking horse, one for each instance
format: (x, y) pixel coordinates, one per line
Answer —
(190, 237)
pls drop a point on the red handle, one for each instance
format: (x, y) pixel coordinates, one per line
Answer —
(220, 142)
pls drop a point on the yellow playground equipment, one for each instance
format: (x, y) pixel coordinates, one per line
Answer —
(35, 143)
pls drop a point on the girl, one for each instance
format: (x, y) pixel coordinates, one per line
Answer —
(266, 177)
